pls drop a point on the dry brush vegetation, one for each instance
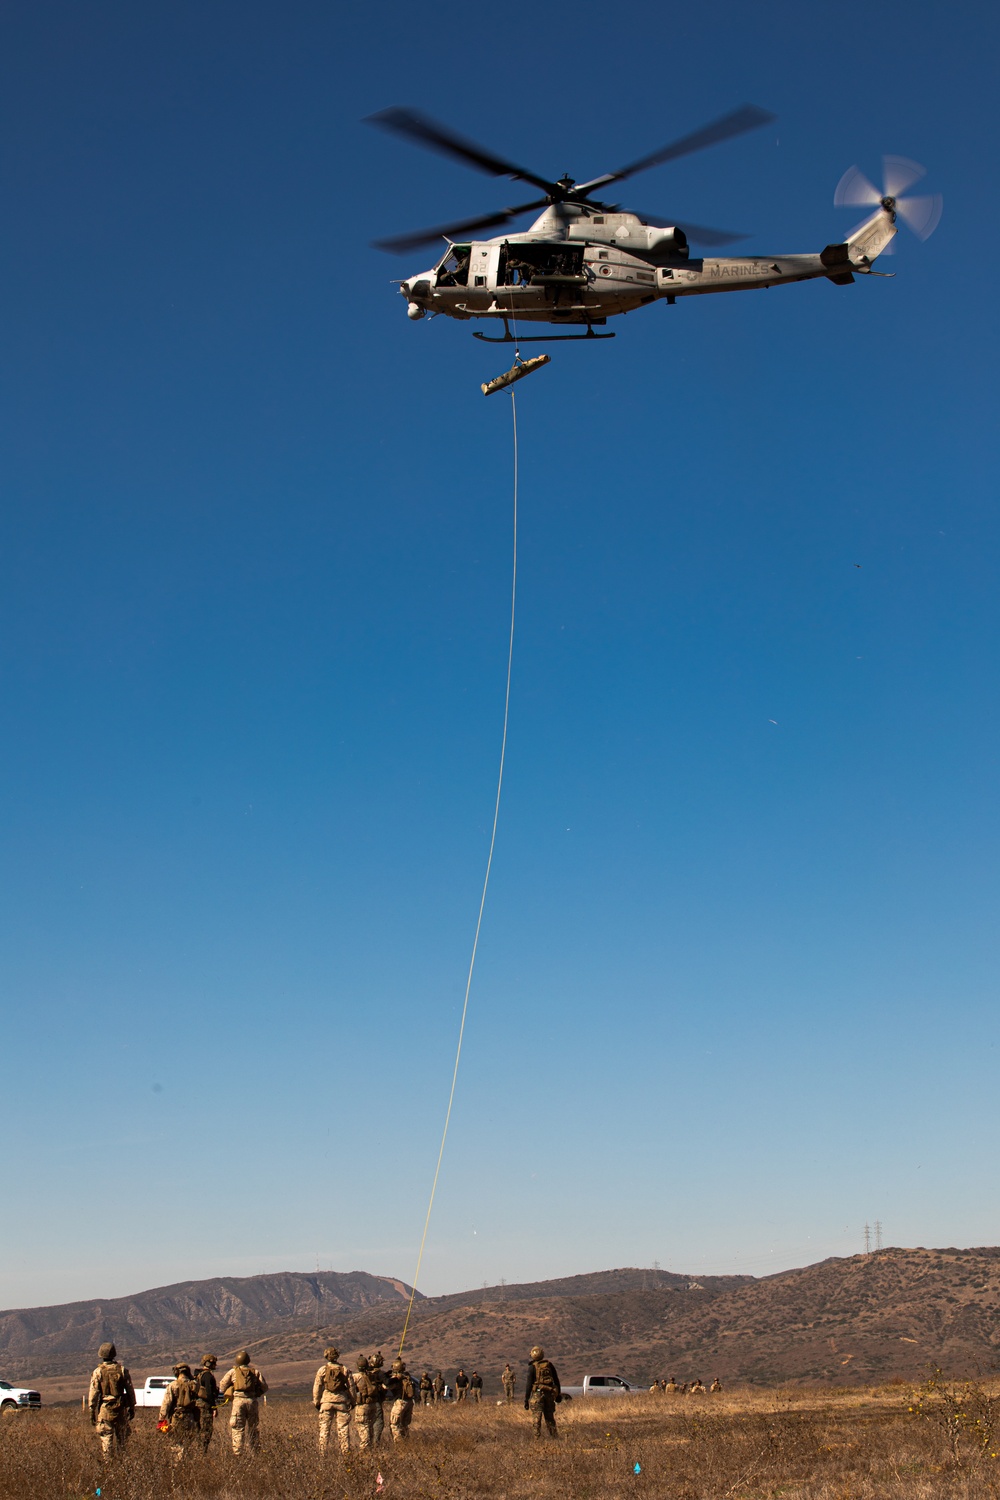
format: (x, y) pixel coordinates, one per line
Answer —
(893, 1443)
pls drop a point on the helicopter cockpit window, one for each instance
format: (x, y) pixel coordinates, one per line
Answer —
(454, 269)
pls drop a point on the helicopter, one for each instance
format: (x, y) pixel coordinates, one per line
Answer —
(583, 260)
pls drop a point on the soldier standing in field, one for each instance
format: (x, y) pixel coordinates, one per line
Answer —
(438, 1386)
(476, 1386)
(426, 1388)
(179, 1407)
(247, 1385)
(332, 1399)
(541, 1392)
(208, 1395)
(111, 1401)
(716, 1386)
(378, 1381)
(509, 1382)
(399, 1384)
(461, 1386)
(363, 1391)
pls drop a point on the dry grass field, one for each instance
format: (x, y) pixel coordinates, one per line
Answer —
(892, 1443)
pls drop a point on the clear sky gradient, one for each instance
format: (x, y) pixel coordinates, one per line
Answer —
(737, 984)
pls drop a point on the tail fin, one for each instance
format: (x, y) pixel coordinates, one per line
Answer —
(870, 238)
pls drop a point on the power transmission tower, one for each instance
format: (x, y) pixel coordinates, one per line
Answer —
(878, 1235)
(503, 1289)
(656, 1265)
(868, 1238)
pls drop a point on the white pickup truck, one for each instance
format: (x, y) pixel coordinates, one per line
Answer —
(601, 1385)
(17, 1398)
(151, 1393)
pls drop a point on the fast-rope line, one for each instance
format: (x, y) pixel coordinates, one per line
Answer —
(482, 901)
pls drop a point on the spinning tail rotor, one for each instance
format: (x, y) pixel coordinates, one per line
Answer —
(921, 213)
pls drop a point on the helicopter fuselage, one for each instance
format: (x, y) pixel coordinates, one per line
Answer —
(573, 267)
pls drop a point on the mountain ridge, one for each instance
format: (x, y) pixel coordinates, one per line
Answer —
(840, 1321)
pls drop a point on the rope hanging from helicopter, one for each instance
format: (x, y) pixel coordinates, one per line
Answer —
(486, 880)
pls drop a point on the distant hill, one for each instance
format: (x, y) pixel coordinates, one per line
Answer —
(861, 1319)
(225, 1309)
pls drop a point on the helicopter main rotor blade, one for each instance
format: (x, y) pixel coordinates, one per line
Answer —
(400, 244)
(428, 132)
(747, 117)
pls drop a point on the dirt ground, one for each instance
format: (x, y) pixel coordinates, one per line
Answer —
(893, 1443)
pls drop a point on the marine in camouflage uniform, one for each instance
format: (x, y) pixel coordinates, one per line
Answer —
(399, 1384)
(541, 1392)
(509, 1382)
(716, 1386)
(377, 1376)
(208, 1396)
(247, 1385)
(111, 1401)
(179, 1407)
(363, 1391)
(438, 1386)
(426, 1388)
(333, 1400)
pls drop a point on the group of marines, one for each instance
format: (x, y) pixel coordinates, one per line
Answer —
(671, 1388)
(347, 1401)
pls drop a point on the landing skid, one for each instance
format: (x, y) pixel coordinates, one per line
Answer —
(544, 338)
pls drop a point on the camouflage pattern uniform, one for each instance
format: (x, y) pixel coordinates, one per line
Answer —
(247, 1385)
(542, 1391)
(716, 1386)
(378, 1381)
(426, 1388)
(399, 1385)
(363, 1391)
(697, 1389)
(671, 1387)
(208, 1395)
(461, 1386)
(509, 1380)
(438, 1386)
(179, 1407)
(332, 1399)
(111, 1401)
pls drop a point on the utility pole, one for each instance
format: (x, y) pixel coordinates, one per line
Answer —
(868, 1238)
(878, 1235)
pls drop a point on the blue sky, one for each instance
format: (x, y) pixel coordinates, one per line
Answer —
(736, 989)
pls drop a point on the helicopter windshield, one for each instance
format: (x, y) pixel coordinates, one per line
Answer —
(454, 269)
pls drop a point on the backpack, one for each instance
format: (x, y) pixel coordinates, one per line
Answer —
(364, 1388)
(246, 1381)
(113, 1386)
(544, 1376)
(187, 1394)
(335, 1379)
(208, 1389)
(407, 1388)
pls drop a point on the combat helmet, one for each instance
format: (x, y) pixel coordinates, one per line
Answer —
(331, 1354)
(107, 1351)
(363, 1362)
(182, 1370)
(398, 1366)
(537, 1352)
(209, 1361)
(242, 1357)
(376, 1360)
